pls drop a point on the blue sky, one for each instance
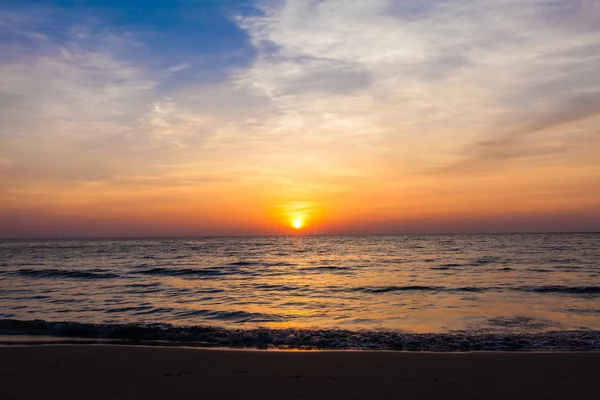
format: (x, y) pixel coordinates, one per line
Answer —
(202, 35)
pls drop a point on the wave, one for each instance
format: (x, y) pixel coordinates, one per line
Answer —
(438, 289)
(278, 288)
(478, 262)
(280, 264)
(142, 308)
(563, 260)
(488, 260)
(243, 263)
(181, 271)
(235, 316)
(415, 288)
(295, 338)
(326, 268)
(143, 285)
(442, 268)
(562, 289)
(28, 264)
(61, 273)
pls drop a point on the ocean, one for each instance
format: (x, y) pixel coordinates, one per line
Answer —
(400, 292)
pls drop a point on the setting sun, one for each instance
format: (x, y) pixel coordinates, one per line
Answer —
(297, 223)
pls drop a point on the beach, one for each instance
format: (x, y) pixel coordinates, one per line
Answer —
(138, 372)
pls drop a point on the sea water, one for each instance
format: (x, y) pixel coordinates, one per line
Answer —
(440, 292)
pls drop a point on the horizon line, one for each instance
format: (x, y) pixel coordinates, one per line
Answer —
(304, 235)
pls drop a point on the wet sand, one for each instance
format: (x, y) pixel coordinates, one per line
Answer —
(128, 372)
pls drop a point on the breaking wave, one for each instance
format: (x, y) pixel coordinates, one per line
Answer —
(293, 338)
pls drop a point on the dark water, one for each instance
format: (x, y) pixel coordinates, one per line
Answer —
(533, 291)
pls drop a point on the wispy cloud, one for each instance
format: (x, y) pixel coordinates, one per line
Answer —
(449, 73)
(74, 109)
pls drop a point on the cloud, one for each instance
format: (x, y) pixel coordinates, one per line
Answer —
(402, 87)
(74, 109)
(573, 110)
(514, 138)
(448, 74)
(178, 67)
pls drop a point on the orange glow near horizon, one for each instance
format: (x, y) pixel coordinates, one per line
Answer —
(318, 206)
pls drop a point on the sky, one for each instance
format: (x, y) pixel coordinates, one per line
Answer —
(239, 117)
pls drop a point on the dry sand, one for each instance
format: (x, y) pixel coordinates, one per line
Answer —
(124, 372)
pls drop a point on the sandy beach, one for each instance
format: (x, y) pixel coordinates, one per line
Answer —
(128, 372)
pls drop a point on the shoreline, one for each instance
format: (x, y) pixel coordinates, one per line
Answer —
(70, 342)
(206, 336)
(72, 371)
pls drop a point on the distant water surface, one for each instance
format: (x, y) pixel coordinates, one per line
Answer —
(517, 284)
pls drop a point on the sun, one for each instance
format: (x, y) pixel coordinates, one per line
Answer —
(297, 223)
